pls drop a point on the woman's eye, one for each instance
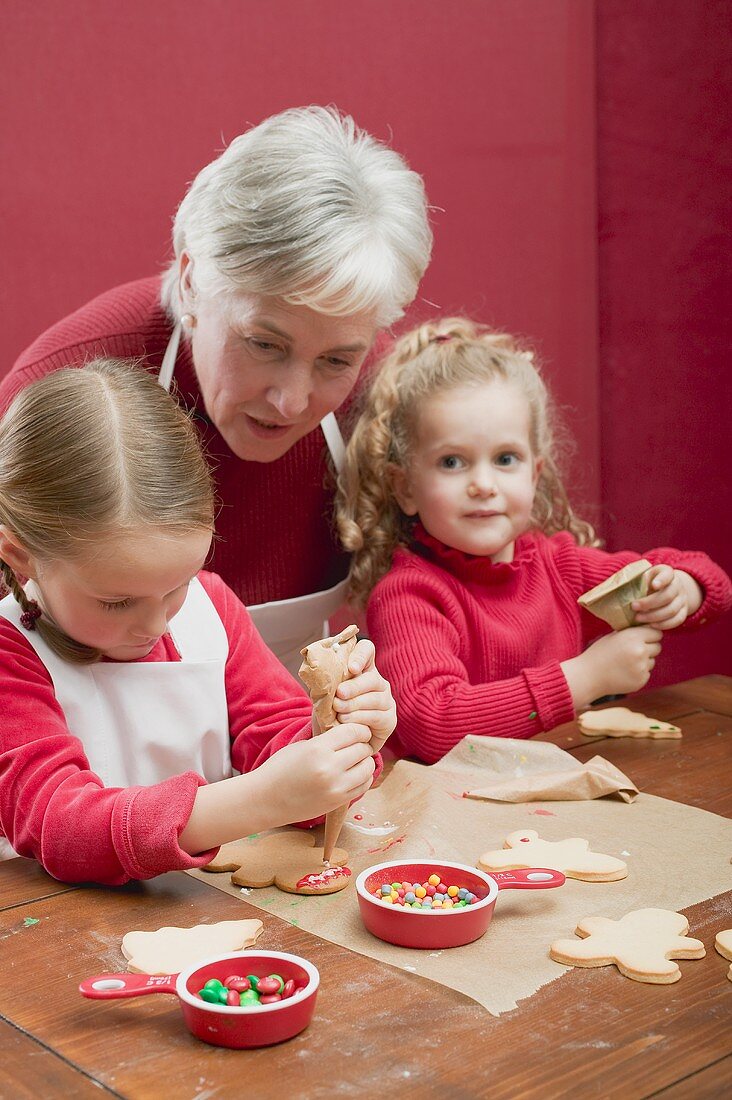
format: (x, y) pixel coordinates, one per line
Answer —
(335, 363)
(116, 605)
(451, 462)
(264, 347)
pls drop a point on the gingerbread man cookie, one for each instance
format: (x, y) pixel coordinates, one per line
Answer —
(170, 950)
(641, 945)
(572, 856)
(621, 722)
(289, 859)
(723, 944)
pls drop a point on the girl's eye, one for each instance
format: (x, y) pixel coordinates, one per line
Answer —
(117, 605)
(507, 459)
(451, 462)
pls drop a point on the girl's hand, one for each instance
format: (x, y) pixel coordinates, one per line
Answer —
(613, 665)
(304, 780)
(672, 596)
(366, 698)
(309, 778)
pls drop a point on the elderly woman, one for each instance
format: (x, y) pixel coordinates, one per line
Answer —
(293, 249)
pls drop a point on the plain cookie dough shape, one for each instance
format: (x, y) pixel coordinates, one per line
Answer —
(641, 944)
(571, 856)
(723, 944)
(170, 950)
(621, 722)
(285, 860)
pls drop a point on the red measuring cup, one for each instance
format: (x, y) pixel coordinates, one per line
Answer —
(222, 1025)
(450, 928)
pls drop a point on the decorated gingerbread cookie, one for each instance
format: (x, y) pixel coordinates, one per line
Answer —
(170, 950)
(641, 945)
(621, 722)
(573, 857)
(723, 944)
(289, 860)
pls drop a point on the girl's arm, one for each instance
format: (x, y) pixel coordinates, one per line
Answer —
(53, 808)
(284, 781)
(705, 585)
(418, 635)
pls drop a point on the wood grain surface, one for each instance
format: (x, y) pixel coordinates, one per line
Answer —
(592, 1033)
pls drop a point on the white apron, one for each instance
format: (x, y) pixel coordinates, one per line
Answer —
(143, 722)
(286, 626)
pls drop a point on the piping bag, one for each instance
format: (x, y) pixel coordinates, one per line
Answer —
(323, 670)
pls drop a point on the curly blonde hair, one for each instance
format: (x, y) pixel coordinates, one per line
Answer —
(436, 356)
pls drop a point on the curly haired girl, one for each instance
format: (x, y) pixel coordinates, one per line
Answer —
(471, 559)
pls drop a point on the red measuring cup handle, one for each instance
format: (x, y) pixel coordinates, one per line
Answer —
(531, 878)
(110, 987)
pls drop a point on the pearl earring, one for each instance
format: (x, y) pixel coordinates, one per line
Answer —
(188, 321)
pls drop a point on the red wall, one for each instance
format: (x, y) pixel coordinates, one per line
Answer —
(111, 108)
(664, 120)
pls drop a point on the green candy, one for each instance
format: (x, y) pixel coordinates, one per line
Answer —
(250, 997)
(223, 995)
(253, 979)
(210, 995)
(213, 983)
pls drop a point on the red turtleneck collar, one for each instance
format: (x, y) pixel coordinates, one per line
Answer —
(473, 568)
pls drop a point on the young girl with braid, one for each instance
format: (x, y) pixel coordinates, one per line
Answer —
(133, 683)
(471, 559)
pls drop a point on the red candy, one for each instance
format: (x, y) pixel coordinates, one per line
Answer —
(290, 988)
(270, 998)
(236, 983)
(232, 998)
(268, 986)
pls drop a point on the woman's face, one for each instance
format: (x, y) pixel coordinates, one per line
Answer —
(269, 371)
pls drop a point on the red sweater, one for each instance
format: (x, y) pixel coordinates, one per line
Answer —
(55, 809)
(475, 648)
(275, 538)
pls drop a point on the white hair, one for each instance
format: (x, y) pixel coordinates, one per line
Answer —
(308, 208)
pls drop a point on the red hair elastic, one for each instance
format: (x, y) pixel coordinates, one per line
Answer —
(29, 616)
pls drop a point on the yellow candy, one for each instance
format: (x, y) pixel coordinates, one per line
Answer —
(452, 891)
(434, 880)
(447, 903)
(437, 903)
(388, 899)
(420, 892)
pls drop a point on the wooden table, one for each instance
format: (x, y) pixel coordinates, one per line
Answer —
(377, 1031)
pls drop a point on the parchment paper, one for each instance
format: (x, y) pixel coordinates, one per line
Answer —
(677, 856)
(531, 771)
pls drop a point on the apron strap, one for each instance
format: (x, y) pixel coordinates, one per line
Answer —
(165, 377)
(334, 439)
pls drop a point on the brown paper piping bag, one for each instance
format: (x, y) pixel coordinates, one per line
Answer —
(611, 600)
(323, 670)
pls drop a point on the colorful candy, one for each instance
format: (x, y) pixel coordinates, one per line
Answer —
(431, 896)
(239, 992)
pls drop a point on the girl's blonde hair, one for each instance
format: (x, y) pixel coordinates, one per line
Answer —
(91, 452)
(436, 356)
